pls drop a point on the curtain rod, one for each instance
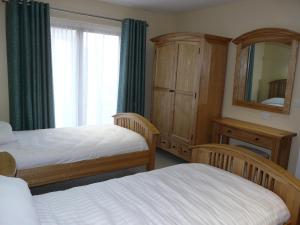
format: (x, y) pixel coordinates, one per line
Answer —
(84, 14)
(79, 13)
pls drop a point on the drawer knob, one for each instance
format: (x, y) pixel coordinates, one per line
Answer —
(257, 139)
(173, 146)
(164, 142)
(229, 131)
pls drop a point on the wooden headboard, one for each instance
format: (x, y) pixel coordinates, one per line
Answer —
(277, 88)
(256, 169)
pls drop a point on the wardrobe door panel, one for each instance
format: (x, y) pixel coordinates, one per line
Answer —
(188, 69)
(184, 112)
(165, 69)
(162, 111)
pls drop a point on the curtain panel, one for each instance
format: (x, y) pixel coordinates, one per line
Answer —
(29, 65)
(85, 75)
(249, 78)
(131, 95)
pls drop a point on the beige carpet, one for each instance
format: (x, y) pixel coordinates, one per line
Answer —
(163, 159)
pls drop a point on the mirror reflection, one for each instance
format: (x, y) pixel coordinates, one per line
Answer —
(267, 72)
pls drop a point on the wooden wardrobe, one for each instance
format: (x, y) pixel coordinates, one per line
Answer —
(188, 87)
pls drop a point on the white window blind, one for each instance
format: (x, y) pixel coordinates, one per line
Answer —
(85, 75)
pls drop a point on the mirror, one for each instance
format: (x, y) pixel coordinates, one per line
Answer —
(265, 69)
(267, 72)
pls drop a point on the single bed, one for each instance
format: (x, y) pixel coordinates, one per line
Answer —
(223, 185)
(51, 155)
(276, 96)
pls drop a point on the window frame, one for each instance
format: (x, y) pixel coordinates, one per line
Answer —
(85, 26)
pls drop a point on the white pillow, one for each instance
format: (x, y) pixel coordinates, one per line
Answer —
(16, 204)
(6, 134)
(274, 101)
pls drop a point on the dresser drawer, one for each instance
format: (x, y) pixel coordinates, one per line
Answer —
(174, 148)
(247, 137)
(185, 152)
(163, 142)
(180, 149)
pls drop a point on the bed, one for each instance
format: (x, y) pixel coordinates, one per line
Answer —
(276, 95)
(274, 101)
(223, 185)
(52, 155)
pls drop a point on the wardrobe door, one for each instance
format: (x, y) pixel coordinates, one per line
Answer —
(188, 67)
(163, 94)
(184, 107)
(161, 115)
(165, 66)
(186, 91)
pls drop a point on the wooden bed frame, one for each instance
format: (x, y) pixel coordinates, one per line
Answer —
(277, 88)
(60, 172)
(238, 161)
(256, 169)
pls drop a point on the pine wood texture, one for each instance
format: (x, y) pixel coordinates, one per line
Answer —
(189, 37)
(141, 125)
(61, 172)
(54, 173)
(277, 88)
(166, 66)
(162, 98)
(256, 169)
(194, 64)
(7, 164)
(264, 35)
(267, 34)
(278, 141)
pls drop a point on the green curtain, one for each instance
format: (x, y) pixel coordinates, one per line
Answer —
(29, 65)
(131, 96)
(249, 76)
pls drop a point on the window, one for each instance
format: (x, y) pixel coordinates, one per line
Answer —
(85, 74)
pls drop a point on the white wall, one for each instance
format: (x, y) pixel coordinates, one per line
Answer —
(159, 23)
(234, 19)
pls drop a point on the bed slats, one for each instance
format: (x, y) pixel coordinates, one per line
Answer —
(140, 125)
(221, 161)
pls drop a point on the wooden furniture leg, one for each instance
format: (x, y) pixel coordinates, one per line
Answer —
(216, 137)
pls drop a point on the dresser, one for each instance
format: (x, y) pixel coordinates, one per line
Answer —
(278, 141)
(188, 86)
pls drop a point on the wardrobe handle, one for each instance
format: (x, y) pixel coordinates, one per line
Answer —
(171, 90)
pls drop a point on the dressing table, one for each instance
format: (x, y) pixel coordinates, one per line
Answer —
(278, 141)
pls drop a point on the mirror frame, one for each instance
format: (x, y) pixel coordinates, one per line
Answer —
(264, 35)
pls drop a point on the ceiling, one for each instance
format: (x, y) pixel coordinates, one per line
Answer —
(168, 5)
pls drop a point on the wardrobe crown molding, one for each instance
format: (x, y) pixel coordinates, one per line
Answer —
(191, 37)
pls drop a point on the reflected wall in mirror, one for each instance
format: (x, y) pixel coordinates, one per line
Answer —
(265, 69)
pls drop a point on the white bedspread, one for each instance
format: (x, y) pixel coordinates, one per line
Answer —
(184, 194)
(65, 145)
